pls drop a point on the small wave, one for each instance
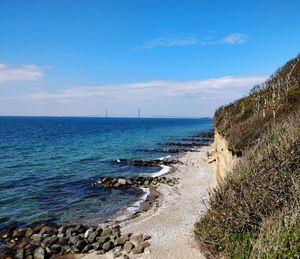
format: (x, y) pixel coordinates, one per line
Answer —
(164, 157)
(164, 169)
(136, 205)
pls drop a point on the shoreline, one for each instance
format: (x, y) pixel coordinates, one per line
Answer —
(168, 213)
(171, 212)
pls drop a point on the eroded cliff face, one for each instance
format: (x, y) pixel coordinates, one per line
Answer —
(223, 160)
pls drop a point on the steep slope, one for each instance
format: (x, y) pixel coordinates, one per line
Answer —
(254, 211)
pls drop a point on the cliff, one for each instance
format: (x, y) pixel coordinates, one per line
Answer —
(254, 209)
(222, 158)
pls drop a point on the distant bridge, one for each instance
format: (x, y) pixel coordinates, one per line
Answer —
(150, 116)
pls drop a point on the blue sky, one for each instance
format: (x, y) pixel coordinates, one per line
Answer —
(64, 57)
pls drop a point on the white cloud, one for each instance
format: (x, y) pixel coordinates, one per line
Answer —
(169, 42)
(194, 97)
(232, 38)
(153, 89)
(20, 73)
(235, 38)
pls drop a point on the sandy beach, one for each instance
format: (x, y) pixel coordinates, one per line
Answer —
(170, 221)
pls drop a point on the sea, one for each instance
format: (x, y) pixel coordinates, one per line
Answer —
(47, 165)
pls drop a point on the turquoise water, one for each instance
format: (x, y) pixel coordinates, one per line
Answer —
(47, 163)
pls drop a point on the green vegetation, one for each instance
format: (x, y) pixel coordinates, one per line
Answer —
(255, 212)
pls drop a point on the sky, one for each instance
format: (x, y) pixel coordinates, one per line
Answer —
(175, 58)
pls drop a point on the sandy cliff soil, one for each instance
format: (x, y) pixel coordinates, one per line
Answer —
(222, 159)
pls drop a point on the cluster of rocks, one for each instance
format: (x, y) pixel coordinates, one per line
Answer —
(43, 241)
(206, 134)
(137, 181)
(181, 144)
(172, 150)
(156, 162)
(202, 140)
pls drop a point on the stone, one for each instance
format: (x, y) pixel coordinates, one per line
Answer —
(20, 254)
(55, 249)
(36, 239)
(29, 232)
(62, 229)
(48, 230)
(79, 227)
(116, 249)
(40, 253)
(107, 246)
(81, 244)
(66, 249)
(74, 240)
(128, 246)
(48, 250)
(87, 248)
(92, 237)
(60, 236)
(147, 250)
(146, 237)
(102, 240)
(70, 232)
(64, 241)
(49, 241)
(88, 232)
(116, 230)
(19, 233)
(97, 245)
(146, 182)
(117, 254)
(106, 232)
(121, 240)
(121, 181)
(99, 230)
(38, 228)
(138, 249)
(11, 229)
(136, 238)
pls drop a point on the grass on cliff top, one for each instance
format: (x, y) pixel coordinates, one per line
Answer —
(255, 212)
(244, 121)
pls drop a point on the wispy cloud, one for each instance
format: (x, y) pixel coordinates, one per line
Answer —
(235, 38)
(168, 42)
(20, 73)
(194, 97)
(180, 41)
(210, 88)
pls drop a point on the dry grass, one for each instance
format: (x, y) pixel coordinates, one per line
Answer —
(266, 181)
(244, 121)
